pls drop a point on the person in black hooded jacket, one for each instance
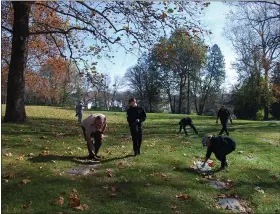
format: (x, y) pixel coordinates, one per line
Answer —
(135, 116)
(221, 146)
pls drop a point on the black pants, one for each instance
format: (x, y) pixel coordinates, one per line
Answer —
(95, 144)
(224, 124)
(184, 127)
(221, 155)
(136, 133)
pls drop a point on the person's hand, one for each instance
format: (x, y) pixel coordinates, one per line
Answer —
(137, 120)
(102, 137)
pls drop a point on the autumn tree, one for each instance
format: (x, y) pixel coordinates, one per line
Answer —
(260, 39)
(127, 24)
(183, 55)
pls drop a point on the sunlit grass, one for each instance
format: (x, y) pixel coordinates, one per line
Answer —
(145, 184)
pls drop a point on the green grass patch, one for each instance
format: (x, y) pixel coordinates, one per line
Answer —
(147, 183)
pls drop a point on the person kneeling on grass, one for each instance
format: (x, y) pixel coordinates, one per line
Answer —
(186, 122)
(221, 146)
(93, 127)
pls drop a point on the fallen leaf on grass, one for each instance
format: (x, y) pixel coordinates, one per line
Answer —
(183, 196)
(173, 206)
(59, 201)
(113, 188)
(44, 153)
(147, 184)
(258, 177)
(43, 137)
(221, 196)
(28, 140)
(27, 205)
(26, 181)
(274, 177)
(81, 207)
(8, 154)
(74, 201)
(258, 189)
(9, 175)
(109, 172)
(6, 180)
(20, 157)
(113, 195)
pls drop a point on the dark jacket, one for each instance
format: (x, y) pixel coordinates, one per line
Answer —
(134, 113)
(219, 144)
(223, 114)
(185, 121)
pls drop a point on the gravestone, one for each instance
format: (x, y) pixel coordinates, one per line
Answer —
(218, 184)
(83, 170)
(232, 204)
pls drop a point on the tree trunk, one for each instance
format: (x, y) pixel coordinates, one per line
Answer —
(266, 94)
(188, 95)
(15, 108)
(170, 102)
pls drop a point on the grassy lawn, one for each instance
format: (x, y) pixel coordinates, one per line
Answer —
(147, 183)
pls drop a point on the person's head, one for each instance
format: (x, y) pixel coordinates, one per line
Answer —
(132, 102)
(80, 101)
(206, 140)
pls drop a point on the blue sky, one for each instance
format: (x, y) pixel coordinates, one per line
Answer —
(214, 19)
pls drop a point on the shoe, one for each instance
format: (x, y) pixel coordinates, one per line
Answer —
(98, 156)
(138, 152)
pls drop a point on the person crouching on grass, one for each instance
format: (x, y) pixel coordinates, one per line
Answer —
(93, 127)
(221, 146)
(186, 122)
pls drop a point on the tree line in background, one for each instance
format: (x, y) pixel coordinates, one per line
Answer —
(46, 61)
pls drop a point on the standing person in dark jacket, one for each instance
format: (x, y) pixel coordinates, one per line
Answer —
(79, 111)
(186, 122)
(135, 116)
(224, 115)
(221, 146)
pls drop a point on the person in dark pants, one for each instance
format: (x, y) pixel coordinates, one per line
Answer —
(135, 116)
(79, 111)
(93, 127)
(224, 115)
(186, 122)
(221, 146)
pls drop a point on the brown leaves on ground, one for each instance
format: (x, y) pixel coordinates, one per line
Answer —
(173, 206)
(183, 196)
(59, 201)
(147, 184)
(28, 140)
(20, 157)
(9, 175)
(81, 207)
(120, 164)
(44, 153)
(221, 196)
(74, 201)
(274, 177)
(26, 181)
(43, 137)
(8, 154)
(109, 172)
(27, 205)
